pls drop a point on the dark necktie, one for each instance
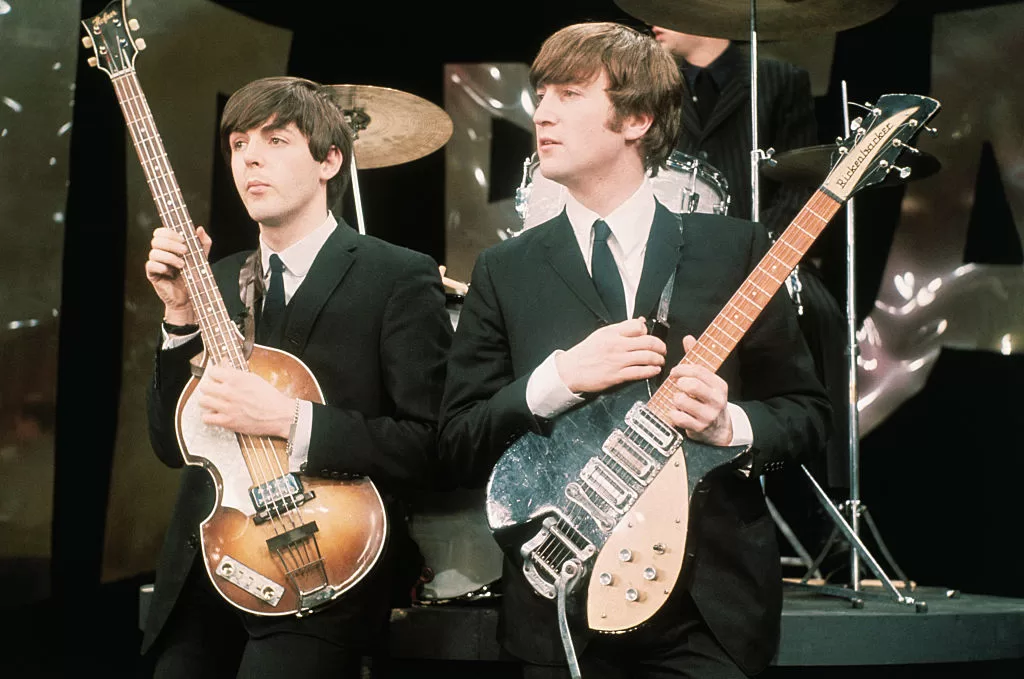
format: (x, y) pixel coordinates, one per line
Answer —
(705, 94)
(273, 304)
(606, 273)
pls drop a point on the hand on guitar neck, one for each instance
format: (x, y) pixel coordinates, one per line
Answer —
(700, 402)
(163, 269)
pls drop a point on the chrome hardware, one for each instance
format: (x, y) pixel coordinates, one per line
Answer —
(575, 494)
(628, 455)
(544, 556)
(625, 555)
(603, 481)
(605, 579)
(664, 438)
(650, 573)
(658, 548)
(632, 594)
(898, 143)
(254, 583)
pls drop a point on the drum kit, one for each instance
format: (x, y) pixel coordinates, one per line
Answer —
(391, 127)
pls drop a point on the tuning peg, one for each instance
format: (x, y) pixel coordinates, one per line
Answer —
(898, 143)
(133, 24)
(931, 130)
(87, 42)
(856, 123)
(91, 61)
(140, 44)
(904, 171)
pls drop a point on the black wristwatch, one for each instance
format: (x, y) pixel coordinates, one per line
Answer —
(187, 329)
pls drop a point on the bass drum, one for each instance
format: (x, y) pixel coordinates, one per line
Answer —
(462, 561)
(683, 184)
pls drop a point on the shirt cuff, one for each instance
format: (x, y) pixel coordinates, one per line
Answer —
(174, 341)
(742, 433)
(303, 435)
(546, 393)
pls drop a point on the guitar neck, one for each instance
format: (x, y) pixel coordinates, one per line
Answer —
(732, 323)
(219, 333)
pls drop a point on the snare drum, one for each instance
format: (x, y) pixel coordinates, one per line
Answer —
(684, 184)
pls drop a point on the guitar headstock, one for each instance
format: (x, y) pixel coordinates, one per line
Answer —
(109, 36)
(871, 152)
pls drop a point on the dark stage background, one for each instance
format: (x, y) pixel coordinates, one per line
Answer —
(84, 501)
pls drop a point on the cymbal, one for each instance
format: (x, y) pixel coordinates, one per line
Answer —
(776, 19)
(391, 127)
(811, 164)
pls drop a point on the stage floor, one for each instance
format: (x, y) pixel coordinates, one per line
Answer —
(817, 630)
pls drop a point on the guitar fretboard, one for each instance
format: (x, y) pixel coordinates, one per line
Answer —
(729, 326)
(220, 336)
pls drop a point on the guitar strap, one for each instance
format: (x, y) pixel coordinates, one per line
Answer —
(250, 286)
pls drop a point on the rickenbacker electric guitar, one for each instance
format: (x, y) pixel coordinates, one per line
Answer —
(600, 507)
(276, 543)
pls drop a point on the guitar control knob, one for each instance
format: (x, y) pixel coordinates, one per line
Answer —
(650, 573)
(658, 548)
(625, 555)
(140, 44)
(605, 579)
(268, 593)
(133, 24)
(87, 42)
(632, 594)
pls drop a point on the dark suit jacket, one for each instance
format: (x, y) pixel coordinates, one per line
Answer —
(532, 295)
(786, 120)
(369, 321)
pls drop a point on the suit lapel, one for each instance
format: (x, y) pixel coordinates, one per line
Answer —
(660, 259)
(564, 256)
(329, 268)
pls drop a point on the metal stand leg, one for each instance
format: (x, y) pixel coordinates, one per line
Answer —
(803, 556)
(851, 531)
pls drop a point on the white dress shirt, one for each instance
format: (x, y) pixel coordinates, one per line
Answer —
(297, 259)
(630, 225)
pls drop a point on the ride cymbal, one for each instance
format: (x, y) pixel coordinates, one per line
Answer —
(391, 127)
(776, 19)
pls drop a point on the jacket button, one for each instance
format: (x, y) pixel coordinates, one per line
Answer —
(302, 468)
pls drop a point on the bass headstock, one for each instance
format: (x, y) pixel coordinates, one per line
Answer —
(109, 36)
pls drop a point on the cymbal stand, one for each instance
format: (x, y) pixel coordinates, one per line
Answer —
(757, 156)
(355, 195)
(851, 530)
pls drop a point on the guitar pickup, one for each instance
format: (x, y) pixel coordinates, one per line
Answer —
(662, 437)
(599, 478)
(630, 456)
(278, 495)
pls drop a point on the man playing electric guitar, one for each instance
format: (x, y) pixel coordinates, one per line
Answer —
(556, 315)
(366, 317)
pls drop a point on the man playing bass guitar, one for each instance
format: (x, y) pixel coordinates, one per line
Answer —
(368, 319)
(557, 315)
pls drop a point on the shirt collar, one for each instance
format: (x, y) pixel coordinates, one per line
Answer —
(630, 222)
(721, 69)
(298, 257)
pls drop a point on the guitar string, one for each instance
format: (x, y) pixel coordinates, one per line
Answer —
(135, 109)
